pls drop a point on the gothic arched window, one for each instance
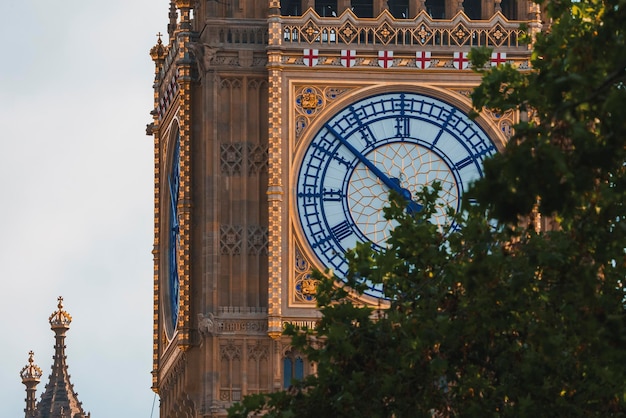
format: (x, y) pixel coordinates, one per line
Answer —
(363, 8)
(326, 8)
(509, 9)
(473, 9)
(293, 368)
(290, 8)
(399, 8)
(436, 9)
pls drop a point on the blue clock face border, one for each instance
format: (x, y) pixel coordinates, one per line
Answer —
(389, 141)
(173, 240)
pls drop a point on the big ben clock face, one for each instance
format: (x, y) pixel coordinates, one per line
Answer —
(393, 141)
(172, 285)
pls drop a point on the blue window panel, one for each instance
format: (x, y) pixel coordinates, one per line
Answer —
(287, 372)
(299, 372)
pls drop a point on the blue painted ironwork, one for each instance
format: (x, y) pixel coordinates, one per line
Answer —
(173, 284)
(396, 141)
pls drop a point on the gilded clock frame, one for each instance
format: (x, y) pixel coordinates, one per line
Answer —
(305, 123)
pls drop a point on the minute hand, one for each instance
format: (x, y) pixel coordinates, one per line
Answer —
(391, 184)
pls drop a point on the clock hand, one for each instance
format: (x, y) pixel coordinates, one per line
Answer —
(391, 183)
(174, 209)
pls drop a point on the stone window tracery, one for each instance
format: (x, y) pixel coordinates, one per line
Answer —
(293, 368)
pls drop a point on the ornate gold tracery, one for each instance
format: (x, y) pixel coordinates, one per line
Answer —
(421, 31)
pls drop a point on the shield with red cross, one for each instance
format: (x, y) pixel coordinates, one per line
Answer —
(498, 58)
(422, 59)
(348, 57)
(460, 60)
(385, 58)
(310, 57)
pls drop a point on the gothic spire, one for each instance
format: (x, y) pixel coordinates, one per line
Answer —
(31, 376)
(173, 15)
(59, 399)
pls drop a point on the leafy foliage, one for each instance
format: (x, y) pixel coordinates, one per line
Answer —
(572, 142)
(497, 318)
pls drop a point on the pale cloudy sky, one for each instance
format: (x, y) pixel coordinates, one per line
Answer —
(76, 196)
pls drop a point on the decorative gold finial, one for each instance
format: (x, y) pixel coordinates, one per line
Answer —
(31, 372)
(158, 51)
(183, 4)
(60, 319)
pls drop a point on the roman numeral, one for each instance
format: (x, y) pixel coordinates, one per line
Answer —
(402, 127)
(328, 195)
(332, 195)
(367, 136)
(341, 160)
(321, 149)
(443, 127)
(342, 231)
(464, 163)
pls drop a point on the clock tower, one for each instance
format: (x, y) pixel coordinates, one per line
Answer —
(279, 127)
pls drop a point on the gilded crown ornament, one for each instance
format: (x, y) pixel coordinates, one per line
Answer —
(31, 372)
(60, 318)
(157, 53)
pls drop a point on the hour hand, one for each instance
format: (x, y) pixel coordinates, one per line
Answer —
(412, 206)
(391, 183)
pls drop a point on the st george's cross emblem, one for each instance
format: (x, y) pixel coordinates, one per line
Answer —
(422, 59)
(348, 57)
(310, 57)
(460, 60)
(385, 58)
(498, 58)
